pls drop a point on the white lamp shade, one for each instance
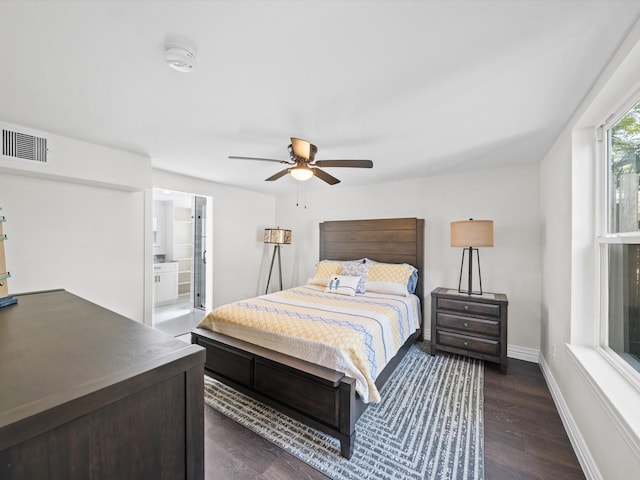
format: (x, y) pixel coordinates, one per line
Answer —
(472, 233)
(301, 173)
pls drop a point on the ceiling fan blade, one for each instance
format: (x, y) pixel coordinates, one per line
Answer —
(322, 175)
(312, 152)
(231, 157)
(303, 148)
(345, 163)
(278, 175)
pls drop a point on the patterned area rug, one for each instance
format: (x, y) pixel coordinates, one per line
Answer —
(429, 424)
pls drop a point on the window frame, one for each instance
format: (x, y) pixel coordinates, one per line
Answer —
(604, 239)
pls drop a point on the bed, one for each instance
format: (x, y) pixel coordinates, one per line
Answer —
(324, 398)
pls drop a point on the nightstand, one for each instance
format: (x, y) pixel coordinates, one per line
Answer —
(471, 325)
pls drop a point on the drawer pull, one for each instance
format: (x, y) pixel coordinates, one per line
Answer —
(466, 307)
(466, 324)
(466, 344)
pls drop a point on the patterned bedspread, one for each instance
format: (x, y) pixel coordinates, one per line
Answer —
(355, 335)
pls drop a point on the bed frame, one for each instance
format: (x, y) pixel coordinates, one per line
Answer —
(320, 397)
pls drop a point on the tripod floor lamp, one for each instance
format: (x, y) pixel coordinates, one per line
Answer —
(278, 237)
(471, 234)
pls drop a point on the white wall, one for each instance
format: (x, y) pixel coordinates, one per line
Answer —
(599, 408)
(78, 224)
(83, 223)
(80, 162)
(508, 196)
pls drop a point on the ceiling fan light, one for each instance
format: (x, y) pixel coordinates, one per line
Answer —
(301, 173)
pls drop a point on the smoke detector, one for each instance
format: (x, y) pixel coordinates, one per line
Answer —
(180, 58)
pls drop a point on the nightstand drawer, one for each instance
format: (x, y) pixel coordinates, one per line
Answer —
(469, 307)
(468, 324)
(468, 343)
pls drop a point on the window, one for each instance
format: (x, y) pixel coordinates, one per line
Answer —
(620, 239)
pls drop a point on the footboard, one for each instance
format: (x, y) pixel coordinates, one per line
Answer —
(317, 396)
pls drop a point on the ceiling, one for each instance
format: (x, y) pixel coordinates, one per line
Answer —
(419, 87)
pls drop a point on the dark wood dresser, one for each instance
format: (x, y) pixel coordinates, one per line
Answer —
(471, 325)
(86, 393)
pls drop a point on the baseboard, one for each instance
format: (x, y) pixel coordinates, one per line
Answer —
(523, 353)
(585, 459)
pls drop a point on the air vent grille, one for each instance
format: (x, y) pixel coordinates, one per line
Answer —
(24, 146)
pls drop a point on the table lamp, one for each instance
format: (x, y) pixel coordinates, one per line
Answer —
(471, 234)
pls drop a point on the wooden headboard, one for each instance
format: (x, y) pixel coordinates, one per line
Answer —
(389, 240)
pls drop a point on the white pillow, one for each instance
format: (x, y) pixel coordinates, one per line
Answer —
(343, 285)
(391, 278)
(324, 271)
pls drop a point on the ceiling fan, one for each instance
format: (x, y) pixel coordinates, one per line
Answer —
(304, 165)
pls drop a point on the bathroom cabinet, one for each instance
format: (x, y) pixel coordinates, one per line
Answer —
(165, 283)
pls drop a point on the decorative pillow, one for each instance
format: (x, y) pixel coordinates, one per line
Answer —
(343, 285)
(389, 278)
(324, 271)
(356, 269)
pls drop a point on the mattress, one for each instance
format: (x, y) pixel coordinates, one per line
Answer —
(356, 335)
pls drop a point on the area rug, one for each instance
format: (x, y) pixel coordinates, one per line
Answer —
(429, 424)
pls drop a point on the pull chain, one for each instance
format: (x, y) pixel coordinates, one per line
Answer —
(304, 194)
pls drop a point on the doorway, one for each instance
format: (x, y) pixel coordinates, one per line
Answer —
(179, 261)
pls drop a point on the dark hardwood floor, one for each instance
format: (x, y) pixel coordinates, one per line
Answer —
(523, 436)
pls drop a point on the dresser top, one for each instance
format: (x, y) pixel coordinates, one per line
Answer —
(56, 347)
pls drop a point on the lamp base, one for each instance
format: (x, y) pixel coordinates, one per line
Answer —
(469, 290)
(276, 250)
